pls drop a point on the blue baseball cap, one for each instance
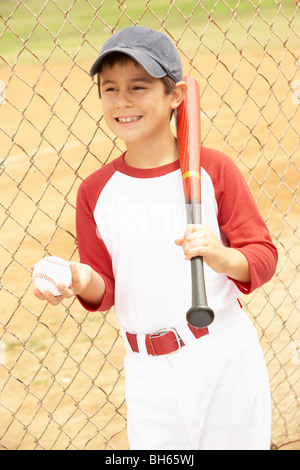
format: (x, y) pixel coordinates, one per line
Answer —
(153, 50)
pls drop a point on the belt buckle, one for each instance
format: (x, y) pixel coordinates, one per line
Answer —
(164, 331)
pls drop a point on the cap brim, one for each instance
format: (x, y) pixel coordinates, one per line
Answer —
(151, 66)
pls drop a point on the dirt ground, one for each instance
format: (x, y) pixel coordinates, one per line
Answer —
(62, 385)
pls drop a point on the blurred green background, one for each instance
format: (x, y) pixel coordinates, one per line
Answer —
(30, 30)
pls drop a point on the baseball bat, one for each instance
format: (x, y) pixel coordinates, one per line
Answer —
(200, 315)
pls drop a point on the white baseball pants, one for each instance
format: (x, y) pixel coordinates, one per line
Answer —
(212, 395)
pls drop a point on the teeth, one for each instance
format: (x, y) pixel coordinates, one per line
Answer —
(128, 119)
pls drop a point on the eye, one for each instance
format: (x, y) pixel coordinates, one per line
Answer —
(110, 89)
(138, 88)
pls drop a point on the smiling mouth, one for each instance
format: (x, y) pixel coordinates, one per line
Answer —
(128, 119)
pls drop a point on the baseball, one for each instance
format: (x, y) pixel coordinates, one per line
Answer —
(49, 272)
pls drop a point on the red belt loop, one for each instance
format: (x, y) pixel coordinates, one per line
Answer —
(164, 341)
(132, 340)
(149, 346)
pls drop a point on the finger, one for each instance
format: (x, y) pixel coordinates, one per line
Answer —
(75, 272)
(179, 241)
(198, 231)
(66, 292)
(196, 242)
(190, 228)
(52, 299)
(38, 294)
(196, 251)
(76, 279)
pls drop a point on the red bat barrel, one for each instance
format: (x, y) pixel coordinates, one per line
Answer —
(189, 141)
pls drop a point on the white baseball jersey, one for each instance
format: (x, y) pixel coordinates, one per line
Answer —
(128, 219)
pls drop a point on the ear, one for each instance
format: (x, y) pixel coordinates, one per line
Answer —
(178, 94)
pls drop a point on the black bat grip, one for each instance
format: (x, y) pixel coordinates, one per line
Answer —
(200, 315)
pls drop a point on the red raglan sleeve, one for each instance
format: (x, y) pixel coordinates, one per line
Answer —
(92, 249)
(240, 221)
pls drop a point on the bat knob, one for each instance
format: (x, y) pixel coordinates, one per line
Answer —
(200, 316)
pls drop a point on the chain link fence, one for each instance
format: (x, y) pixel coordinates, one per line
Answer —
(61, 369)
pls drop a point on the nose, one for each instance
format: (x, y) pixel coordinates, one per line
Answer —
(123, 100)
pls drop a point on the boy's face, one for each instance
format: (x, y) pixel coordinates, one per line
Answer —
(136, 107)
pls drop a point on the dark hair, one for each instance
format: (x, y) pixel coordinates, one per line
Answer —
(121, 59)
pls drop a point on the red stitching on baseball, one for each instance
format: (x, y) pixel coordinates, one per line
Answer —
(46, 277)
(58, 262)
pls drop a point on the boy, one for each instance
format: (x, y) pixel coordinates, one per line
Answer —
(213, 392)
